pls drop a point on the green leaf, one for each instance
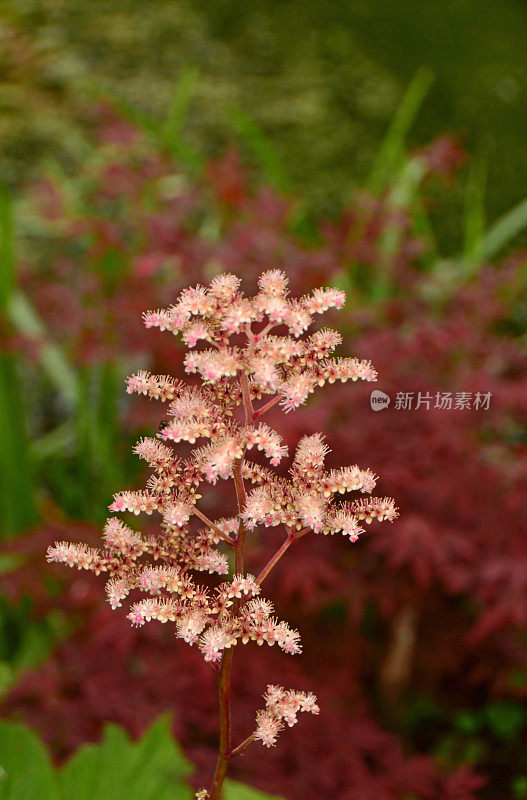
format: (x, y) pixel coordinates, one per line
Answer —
(153, 768)
(171, 131)
(474, 220)
(16, 481)
(118, 769)
(392, 151)
(504, 230)
(9, 562)
(238, 791)
(467, 722)
(26, 773)
(54, 363)
(261, 147)
(7, 260)
(519, 787)
(506, 719)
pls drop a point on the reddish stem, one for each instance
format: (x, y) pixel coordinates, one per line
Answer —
(224, 686)
(247, 403)
(292, 537)
(224, 675)
(213, 527)
(258, 413)
(224, 692)
(243, 745)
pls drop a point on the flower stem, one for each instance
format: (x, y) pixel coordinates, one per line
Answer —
(247, 403)
(243, 745)
(242, 530)
(224, 691)
(258, 413)
(224, 675)
(292, 537)
(213, 527)
(274, 560)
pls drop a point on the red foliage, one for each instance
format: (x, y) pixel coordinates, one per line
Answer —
(446, 582)
(109, 671)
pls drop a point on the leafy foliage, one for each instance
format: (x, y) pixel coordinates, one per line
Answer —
(153, 768)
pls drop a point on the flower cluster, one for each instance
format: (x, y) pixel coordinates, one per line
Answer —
(281, 706)
(250, 349)
(282, 365)
(306, 501)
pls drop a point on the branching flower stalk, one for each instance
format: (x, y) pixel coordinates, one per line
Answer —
(252, 354)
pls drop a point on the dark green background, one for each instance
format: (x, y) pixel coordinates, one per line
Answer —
(321, 78)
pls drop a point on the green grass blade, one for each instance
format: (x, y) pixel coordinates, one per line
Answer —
(17, 492)
(106, 430)
(502, 232)
(165, 133)
(51, 443)
(172, 129)
(179, 108)
(422, 227)
(392, 149)
(144, 121)
(261, 148)
(17, 508)
(474, 218)
(26, 321)
(7, 259)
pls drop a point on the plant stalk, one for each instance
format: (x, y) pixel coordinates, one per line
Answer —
(292, 537)
(224, 691)
(224, 676)
(241, 747)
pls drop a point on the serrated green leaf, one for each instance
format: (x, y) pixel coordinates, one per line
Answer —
(26, 773)
(118, 769)
(238, 791)
(153, 768)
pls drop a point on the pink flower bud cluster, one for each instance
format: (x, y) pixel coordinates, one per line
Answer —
(281, 706)
(306, 501)
(243, 350)
(277, 364)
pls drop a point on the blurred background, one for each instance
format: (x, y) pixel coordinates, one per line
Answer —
(378, 146)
